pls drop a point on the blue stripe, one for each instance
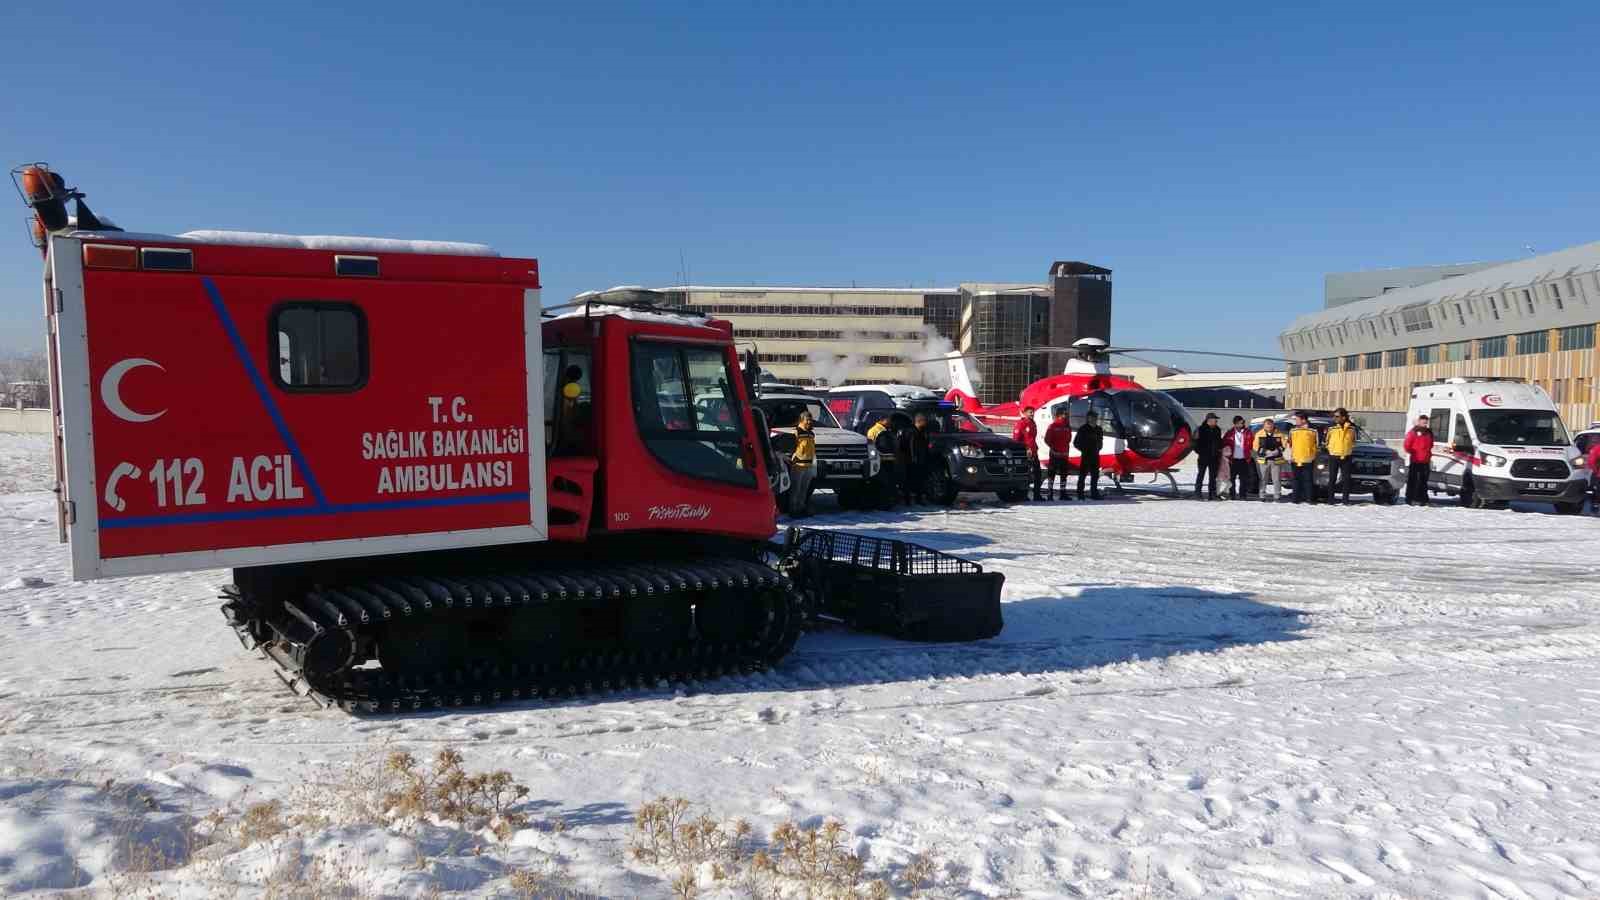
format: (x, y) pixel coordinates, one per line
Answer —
(261, 392)
(249, 515)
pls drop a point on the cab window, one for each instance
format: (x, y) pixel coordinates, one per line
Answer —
(568, 402)
(687, 412)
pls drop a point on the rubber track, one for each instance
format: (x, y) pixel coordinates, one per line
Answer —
(362, 607)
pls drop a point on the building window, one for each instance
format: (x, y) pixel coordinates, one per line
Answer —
(1457, 351)
(1294, 368)
(1533, 342)
(1311, 367)
(1352, 363)
(1494, 309)
(1416, 319)
(1492, 348)
(1461, 317)
(1555, 295)
(1331, 366)
(1397, 358)
(1577, 337)
(1427, 353)
(1375, 360)
(1527, 297)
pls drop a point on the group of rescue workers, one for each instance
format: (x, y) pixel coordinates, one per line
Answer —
(1249, 462)
(1246, 461)
(1060, 441)
(913, 451)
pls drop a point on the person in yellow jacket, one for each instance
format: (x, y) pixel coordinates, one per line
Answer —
(1303, 456)
(802, 466)
(1341, 454)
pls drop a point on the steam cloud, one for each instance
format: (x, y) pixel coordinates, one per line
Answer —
(934, 346)
(833, 369)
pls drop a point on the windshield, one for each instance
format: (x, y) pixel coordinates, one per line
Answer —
(786, 413)
(1518, 426)
(949, 421)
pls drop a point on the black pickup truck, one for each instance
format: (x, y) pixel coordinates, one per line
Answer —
(968, 457)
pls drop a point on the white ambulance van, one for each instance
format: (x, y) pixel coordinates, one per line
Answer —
(1499, 440)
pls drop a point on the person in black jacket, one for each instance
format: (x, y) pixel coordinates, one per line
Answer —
(1089, 439)
(912, 449)
(1207, 455)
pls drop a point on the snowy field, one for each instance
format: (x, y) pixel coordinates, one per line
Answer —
(1189, 700)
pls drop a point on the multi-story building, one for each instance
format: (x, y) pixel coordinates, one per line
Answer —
(1532, 319)
(856, 335)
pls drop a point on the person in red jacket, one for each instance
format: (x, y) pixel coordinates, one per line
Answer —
(1058, 437)
(1419, 451)
(1026, 432)
(1594, 477)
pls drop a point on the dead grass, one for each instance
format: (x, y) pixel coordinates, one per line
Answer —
(816, 863)
(449, 793)
(448, 809)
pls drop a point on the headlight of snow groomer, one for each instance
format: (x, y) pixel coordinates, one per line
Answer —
(970, 452)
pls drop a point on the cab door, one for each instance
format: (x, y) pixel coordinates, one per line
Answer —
(1449, 466)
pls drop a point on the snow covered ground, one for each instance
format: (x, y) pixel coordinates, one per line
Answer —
(1188, 699)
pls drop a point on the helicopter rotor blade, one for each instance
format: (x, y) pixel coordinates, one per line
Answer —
(1132, 350)
(995, 354)
(1126, 351)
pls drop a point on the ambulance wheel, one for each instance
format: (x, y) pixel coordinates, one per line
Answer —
(1569, 509)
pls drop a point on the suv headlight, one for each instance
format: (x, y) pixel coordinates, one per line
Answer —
(874, 460)
(970, 452)
(1492, 459)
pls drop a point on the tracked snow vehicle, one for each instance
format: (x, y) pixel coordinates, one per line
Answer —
(430, 490)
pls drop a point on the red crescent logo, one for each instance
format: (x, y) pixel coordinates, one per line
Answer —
(1492, 400)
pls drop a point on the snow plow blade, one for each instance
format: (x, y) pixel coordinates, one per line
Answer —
(894, 587)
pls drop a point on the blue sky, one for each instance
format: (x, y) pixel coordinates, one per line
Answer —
(1219, 159)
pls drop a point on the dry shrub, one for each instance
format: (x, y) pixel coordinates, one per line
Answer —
(665, 832)
(919, 873)
(448, 793)
(380, 790)
(798, 861)
(815, 857)
(260, 822)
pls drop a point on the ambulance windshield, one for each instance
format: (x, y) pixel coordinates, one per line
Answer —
(1519, 427)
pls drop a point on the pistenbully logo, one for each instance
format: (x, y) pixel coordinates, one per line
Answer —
(679, 512)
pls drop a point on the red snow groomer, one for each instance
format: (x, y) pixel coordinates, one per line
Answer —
(406, 461)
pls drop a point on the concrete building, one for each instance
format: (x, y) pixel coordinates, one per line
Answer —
(856, 335)
(1339, 288)
(1533, 319)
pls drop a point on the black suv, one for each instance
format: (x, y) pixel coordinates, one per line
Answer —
(966, 455)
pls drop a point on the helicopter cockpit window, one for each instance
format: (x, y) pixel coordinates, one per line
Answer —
(1078, 410)
(1148, 421)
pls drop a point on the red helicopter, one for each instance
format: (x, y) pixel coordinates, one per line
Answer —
(1146, 431)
